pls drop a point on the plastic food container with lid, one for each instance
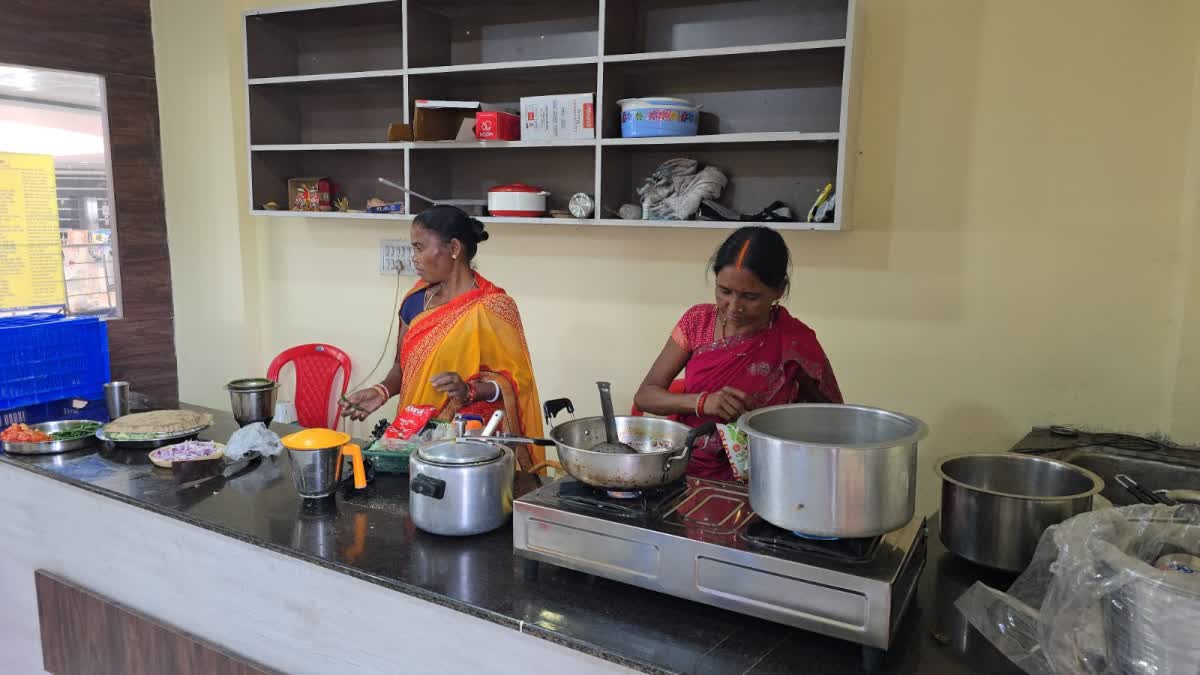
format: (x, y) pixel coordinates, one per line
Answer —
(517, 201)
(658, 117)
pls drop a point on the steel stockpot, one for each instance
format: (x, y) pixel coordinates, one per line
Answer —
(833, 470)
(996, 506)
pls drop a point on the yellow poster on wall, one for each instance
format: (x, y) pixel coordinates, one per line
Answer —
(31, 263)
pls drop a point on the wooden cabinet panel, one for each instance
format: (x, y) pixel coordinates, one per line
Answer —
(85, 633)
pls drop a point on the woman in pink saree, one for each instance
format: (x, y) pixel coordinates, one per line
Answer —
(741, 353)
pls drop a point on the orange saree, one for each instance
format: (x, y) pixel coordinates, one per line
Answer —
(479, 336)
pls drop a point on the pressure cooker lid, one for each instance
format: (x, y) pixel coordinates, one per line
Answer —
(455, 452)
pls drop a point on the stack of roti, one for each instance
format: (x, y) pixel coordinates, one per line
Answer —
(156, 424)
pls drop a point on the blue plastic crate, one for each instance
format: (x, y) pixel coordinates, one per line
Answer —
(48, 357)
(55, 411)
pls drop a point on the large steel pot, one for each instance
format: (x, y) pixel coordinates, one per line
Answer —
(996, 506)
(663, 448)
(833, 470)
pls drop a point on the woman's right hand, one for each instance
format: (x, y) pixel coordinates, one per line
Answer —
(366, 401)
(725, 404)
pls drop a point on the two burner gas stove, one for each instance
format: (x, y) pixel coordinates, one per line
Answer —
(701, 541)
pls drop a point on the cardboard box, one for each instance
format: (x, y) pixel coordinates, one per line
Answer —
(562, 116)
(399, 132)
(494, 125)
(443, 120)
(310, 194)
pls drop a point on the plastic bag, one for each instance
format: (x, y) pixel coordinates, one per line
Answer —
(1091, 601)
(253, 437)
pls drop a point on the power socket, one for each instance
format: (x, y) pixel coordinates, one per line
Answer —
(396, 257)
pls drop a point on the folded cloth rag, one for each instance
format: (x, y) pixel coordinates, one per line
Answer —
(661, 184)
(689, 192)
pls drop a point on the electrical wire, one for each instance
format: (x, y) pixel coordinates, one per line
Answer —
(387, 341)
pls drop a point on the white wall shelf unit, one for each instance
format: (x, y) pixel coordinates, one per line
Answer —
(776, 79)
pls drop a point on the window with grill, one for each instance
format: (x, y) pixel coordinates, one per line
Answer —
(56, 178)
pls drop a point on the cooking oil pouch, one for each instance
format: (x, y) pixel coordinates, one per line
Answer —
(736, 449)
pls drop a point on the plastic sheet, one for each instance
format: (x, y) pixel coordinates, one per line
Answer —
(1092, 600)
(253, 437)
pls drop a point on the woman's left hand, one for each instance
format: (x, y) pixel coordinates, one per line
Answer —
(452, 385)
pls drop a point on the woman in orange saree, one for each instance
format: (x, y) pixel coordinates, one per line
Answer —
(461, 346)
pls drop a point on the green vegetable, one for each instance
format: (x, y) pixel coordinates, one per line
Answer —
(76, 432)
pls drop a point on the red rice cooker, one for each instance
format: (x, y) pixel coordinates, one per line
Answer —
(517, 201)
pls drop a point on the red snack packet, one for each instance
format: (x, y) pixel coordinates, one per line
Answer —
(410, 420)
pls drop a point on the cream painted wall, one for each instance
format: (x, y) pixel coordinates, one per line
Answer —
(1021, 253)
(1183, 375)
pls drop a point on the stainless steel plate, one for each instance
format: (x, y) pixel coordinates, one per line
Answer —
(51, 447)
(149, 444)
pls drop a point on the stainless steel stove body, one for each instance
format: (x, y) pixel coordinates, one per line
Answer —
(701, 541)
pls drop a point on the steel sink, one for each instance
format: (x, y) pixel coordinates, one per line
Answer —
(1168, 468)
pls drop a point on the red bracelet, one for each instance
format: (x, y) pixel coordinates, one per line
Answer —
(700, 403)
(472, 394)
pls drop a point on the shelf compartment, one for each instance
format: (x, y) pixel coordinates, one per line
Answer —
(497, 145)
(325, 77)
(355, 174)
(504, 88)
(681, 143)
(507, 65)
(455, 33)
(350, 111)
(639, 26)
(740, 93)
(340, 39)
(727, 51)
(359, 215)
(576, 222)
(470, 173)
(758, 174)
(308, 147)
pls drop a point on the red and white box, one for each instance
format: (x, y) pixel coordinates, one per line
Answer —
(562, 116)
(493, 125)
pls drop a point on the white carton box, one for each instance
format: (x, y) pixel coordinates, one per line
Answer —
(562, 116)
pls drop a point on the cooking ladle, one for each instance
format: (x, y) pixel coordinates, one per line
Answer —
(613, 445)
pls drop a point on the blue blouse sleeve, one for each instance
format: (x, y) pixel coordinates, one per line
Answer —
(412, 306)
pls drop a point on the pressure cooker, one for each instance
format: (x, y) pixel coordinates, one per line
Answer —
(461, 487)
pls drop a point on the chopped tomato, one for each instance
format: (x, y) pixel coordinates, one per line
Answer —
(22, 433)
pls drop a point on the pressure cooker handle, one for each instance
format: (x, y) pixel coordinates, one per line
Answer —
(426, 485)
(703, 431)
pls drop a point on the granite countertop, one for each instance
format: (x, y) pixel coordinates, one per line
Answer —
(368, 534)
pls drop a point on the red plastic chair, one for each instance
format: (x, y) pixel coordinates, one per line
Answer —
(316, 366)
(677, 387)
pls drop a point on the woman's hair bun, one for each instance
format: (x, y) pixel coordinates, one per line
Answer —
(478, 230)
(450, 223)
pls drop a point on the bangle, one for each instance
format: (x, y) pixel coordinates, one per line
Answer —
(383, 391)
(700, 403)
(472, 394)
(496, 394)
